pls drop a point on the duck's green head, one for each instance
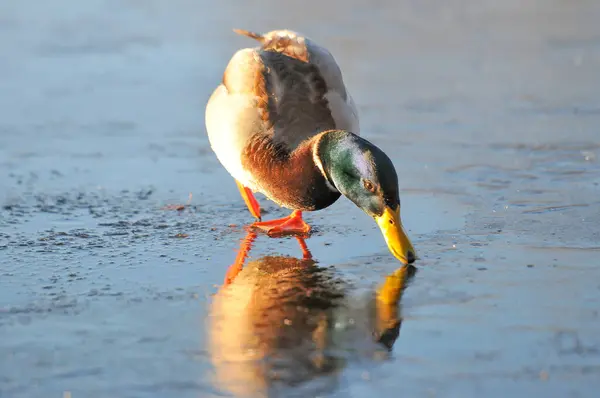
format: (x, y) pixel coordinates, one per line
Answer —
(366, 176)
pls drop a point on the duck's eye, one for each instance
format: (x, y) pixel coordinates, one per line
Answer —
(369, 186)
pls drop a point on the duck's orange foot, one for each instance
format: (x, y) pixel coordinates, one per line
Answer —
(290, 225)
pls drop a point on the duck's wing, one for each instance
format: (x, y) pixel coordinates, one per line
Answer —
(288, 89)
(304, 87)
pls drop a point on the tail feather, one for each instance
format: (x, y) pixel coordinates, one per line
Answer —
(249, 34)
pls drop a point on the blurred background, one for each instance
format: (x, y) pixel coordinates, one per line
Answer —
(490, 111)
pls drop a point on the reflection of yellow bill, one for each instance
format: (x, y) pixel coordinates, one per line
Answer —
(389, 316)
(390, 291)
(395, 236)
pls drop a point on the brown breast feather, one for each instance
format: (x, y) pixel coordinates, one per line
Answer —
(289, 178)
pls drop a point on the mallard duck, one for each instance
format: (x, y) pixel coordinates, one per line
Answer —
(282, 123)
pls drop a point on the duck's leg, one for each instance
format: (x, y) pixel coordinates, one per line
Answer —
(250, 200)
(290, 225)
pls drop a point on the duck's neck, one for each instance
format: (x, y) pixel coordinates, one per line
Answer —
(294, 179)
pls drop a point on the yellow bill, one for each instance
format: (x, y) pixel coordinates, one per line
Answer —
(395, 236)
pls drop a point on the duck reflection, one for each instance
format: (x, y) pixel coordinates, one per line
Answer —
(282, 321)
